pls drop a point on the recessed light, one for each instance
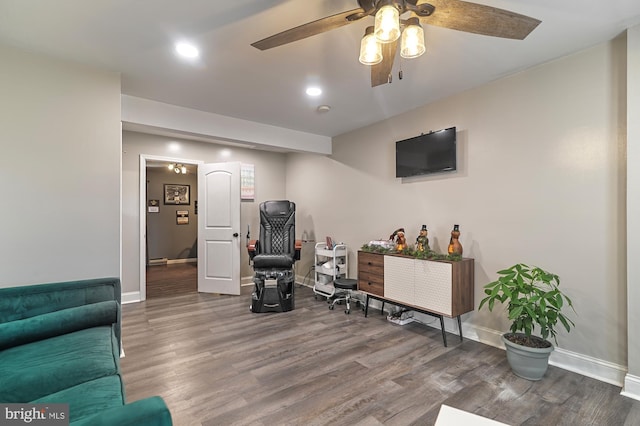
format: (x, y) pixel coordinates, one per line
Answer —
(314, 91)
(324, 108)
(187, 50)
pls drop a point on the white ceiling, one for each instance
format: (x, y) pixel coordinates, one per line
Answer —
(232, 78)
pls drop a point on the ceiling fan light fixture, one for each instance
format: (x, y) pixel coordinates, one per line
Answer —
(412, 43)
(370, 49)
(387, 24)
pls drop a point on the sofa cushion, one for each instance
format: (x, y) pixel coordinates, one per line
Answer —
(36, 369)
(89, 398)
(22, 302)
(53, 324)
(28, 301)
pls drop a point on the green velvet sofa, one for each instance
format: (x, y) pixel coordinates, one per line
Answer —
(60, 343)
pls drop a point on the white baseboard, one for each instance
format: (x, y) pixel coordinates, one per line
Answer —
(131, 297)
(595, 368)
(585, 365)
(631, 387)
(189, 260)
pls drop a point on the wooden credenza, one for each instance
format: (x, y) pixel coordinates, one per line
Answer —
(437, 288)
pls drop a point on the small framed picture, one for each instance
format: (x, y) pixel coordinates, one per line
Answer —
(176, 194)
(182, 217)
(154, 206)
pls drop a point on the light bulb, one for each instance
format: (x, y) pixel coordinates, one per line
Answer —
(370, 49)
(387, 24)
(412, 44)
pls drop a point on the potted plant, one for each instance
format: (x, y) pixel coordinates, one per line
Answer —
(533, 300)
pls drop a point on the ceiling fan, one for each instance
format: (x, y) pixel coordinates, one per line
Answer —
(454, 14)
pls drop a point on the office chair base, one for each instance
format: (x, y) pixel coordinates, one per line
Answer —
(344, 287)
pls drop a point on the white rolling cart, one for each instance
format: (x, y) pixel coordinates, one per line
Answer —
(329, 264)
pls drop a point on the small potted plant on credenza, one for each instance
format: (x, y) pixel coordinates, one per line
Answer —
(533, 300)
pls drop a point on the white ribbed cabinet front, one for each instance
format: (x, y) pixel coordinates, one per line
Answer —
(441, 287)
(433, 286)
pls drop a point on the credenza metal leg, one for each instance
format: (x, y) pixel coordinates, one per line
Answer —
(460, 327)
(444, 334)
(366, 306)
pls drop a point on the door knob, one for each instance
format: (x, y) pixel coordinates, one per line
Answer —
(235, 234)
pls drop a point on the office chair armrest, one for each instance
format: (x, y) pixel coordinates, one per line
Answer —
(253, 247)
(298, 249)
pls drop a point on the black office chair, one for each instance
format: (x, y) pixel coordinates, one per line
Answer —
(273, 256)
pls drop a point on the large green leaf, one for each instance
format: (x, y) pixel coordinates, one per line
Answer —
(515, 313)
(564, 322)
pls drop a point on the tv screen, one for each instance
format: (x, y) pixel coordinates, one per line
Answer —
(428, 153)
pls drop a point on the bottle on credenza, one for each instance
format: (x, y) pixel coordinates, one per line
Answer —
(454, 243)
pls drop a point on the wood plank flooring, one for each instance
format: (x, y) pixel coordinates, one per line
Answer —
(216, 363)
(172, 280)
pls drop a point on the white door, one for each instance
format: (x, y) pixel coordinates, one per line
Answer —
(219, 228)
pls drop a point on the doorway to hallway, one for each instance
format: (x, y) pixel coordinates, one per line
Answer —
(172, 280)
(169, 224)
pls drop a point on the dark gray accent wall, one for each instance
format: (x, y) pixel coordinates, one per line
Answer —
(165, 237)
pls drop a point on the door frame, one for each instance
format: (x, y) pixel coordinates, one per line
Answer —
(143, 212)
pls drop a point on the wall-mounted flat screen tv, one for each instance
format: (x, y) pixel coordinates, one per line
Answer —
(432, 152)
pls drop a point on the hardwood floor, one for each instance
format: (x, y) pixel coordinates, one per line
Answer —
(216, 363)
(172, 280)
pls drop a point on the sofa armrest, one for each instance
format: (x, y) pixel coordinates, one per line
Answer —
(149, 412)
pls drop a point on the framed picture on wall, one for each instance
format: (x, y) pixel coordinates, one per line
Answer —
(154, 206)
(176, 194)
(182, 217)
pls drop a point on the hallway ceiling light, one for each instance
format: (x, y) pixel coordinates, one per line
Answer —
(178, 168)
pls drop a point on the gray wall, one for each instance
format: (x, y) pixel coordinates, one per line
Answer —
(541, 181)
(270, 170)
(167, 239)
(60, 170)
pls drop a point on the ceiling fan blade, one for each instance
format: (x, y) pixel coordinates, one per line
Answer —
(479, 19)
(380, 72)
(309, 29)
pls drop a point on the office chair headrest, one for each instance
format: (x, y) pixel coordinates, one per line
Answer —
(279, 208)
